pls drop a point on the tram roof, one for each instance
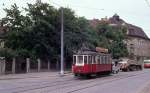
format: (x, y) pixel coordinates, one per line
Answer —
(90, 53)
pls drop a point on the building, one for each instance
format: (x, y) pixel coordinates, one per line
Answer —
(138, 43)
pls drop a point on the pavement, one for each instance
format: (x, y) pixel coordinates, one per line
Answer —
(32, 75)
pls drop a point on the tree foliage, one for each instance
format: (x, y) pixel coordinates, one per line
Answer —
(37, 33)
(112, 37)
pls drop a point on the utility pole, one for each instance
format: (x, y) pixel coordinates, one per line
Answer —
(62, 42)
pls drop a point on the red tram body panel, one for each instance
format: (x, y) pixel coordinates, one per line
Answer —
(91, 68)
(89, 62)
(146, 63)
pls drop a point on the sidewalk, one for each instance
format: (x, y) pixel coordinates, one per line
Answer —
(32, 75)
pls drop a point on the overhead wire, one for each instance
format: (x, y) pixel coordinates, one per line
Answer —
(78, 6)
(55, 3)
(96, 10)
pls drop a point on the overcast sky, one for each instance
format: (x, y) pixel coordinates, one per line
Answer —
(136, 12)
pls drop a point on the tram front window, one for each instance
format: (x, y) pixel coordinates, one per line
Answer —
(74, 59)
(80, 61)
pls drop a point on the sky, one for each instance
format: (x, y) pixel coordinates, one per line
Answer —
(136, 12)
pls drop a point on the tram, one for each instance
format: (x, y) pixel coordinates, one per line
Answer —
(146, 63)
(87, 63)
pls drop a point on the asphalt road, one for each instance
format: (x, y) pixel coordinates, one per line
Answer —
(124, 82)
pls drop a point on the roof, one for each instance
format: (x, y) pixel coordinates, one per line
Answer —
(94, 22)
(116, 20)
(136, 31)
(132, 29)
(89, 52)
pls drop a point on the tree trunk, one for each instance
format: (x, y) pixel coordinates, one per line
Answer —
(28, 65)
(39, 64)
(49, 64)
(3, 66)
(13, 66)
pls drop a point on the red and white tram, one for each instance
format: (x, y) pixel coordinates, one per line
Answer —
(146, 63)
(91, 62)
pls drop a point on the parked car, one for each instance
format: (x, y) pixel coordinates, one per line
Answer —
(115, 67)
(129, 65)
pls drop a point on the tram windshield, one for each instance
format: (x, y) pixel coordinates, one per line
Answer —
(79, 60)
(147, 61)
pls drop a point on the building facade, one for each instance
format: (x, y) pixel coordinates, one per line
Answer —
(138, 43)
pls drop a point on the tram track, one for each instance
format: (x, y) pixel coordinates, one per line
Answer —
(63, 83)
(69, 84)
(79, 89)
(91, 83)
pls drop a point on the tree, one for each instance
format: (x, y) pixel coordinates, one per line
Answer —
(7, 53)
(17, 25)
(112, 37)
(37, 34)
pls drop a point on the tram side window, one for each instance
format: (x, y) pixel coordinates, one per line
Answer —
(98, 59)
(94, 60)
(80, 59)
(105, 59)
(89, 59)
(85, 59)
(74, 59)
(109, 60)
(102, 61)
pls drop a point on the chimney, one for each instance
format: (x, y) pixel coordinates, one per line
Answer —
(116, 17)
(38, 1)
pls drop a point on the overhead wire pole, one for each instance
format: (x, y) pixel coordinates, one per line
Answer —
(62, 41)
